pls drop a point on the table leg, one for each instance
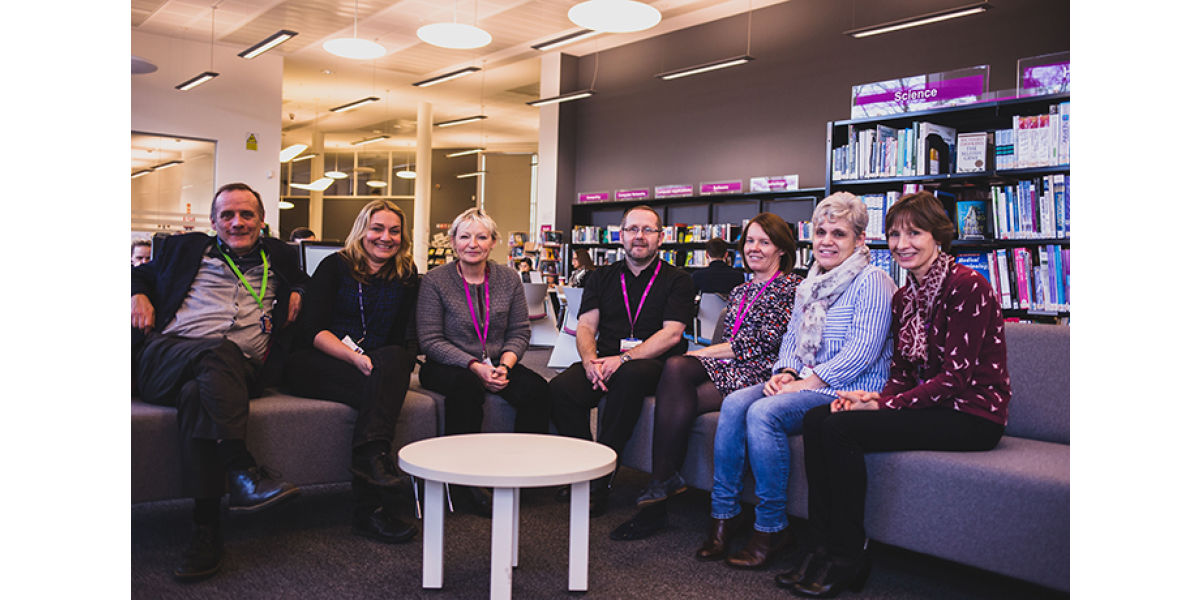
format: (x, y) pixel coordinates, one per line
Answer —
(503, 557)
(516, 524)
(578, 558)
(435, 512)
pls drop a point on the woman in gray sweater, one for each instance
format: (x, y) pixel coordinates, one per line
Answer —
(473, 326)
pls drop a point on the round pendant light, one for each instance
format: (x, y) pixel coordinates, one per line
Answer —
(355, 48)
(456, 36)
(375, 183)
(614, 16)
(406, 173)
(336, 175)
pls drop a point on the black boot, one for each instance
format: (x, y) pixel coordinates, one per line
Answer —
(256, 488)
(829, 576)
(808, 560)
(202, 558)
(378, 469)
(645, 523)
(381, 527)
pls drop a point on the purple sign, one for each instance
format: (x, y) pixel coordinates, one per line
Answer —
(594, 197)
(672, 191)
(720, 187)
(920, 92)
(638, 194)
(771, 184)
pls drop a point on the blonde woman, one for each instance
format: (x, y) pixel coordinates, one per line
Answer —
(358, 346)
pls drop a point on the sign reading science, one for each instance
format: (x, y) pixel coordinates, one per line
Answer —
(919, 92)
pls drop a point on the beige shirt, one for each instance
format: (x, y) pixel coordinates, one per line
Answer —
(218, 305)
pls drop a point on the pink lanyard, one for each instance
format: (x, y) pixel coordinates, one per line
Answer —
(744, 308)
(487, 307)
(646, 292)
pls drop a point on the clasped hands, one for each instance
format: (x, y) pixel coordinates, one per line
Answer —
(494, 378)
(598, 370)
(856, 400)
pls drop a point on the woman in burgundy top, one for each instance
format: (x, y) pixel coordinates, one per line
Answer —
(948, 390)
(698, 381)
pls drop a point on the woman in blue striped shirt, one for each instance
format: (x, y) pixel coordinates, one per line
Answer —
(837, 339)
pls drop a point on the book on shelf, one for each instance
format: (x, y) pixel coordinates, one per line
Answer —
(1041, 140)
(978, 261)
(552, 237)
(668, 234)
(804, 231)
(1035, 208)
(972, 219)
(613, 235)
(877, 205)
(1003, 151)
(972, 152)
(936, 148)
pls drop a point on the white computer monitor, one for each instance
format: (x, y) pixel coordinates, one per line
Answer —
(313, 252)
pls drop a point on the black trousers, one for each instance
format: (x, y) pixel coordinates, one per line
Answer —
(377, 397)
(834, 449)
(210, 382)
(572, 399)
(526, 391)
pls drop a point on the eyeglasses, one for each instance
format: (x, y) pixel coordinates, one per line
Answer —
(646, 231)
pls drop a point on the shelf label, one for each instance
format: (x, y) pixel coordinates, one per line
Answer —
(635, 194)
(673, 191)
(773, 184)
(594, 197)
(919, 92)
(721, 187)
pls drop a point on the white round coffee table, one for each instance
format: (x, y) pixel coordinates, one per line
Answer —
(506, 462)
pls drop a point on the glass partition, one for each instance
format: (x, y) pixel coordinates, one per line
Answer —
(172, 183)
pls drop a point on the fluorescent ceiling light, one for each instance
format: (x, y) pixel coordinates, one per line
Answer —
(456, 36)
(197, 80)
(461, 121)
(570, 38)
(925, 19)
(704, 68)
(447, 77)
(166, 165)
(137, 174)
(305, 157)
(317, 186)
(371, 140)
(354, 105)
(563, 98)
(472, 174)
(336, 175)
(375, 183)
(614, 16)
(285, 205)
(278, 38)
(465, 152)
(291, 152)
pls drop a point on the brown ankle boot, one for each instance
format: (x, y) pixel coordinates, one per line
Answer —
(761, 548)
(719, 532)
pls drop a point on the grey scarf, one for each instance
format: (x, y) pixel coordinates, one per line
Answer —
(816, 294)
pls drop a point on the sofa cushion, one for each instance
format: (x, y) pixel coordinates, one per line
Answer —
(1039, 363)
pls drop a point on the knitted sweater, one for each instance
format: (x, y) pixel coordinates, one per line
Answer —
(445, 328)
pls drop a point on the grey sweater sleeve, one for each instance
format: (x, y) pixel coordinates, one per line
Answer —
(444, 325)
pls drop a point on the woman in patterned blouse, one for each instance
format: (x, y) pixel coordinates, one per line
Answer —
(837, 339)
(698, 381)
(948, 390)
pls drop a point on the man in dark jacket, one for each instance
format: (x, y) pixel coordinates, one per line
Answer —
(205, 313)
(718, 276)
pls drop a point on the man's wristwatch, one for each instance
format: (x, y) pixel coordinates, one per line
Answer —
(625, 357)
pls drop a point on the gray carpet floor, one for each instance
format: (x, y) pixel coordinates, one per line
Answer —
(304, 549)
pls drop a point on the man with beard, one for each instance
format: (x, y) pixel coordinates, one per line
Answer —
(631, 319)
(206, 312)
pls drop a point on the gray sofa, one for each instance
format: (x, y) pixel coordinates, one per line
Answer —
(1006, 510)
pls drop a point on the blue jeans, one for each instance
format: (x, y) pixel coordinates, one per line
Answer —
(761, 424)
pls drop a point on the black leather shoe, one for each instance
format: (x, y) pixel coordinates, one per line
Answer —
(807, 561)
(471, 499)
(761, 548)
(828, 577)
(378, 526)
(202, 558)
(644, 524)
(379, 470)
(256, 488)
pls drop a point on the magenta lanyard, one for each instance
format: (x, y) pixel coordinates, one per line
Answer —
(646, 292)
(744, 308)
(487, 307)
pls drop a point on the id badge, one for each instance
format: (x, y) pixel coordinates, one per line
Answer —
(264, 322)
(629, 344)
(487, 360)
(350, 344)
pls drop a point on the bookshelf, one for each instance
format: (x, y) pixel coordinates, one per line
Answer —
(701, 217)
(1009, 197)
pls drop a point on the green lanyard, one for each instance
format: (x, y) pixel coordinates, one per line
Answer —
(261, 294)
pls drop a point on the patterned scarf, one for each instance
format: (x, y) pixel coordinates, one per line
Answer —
(816, 294)
(918, 306)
